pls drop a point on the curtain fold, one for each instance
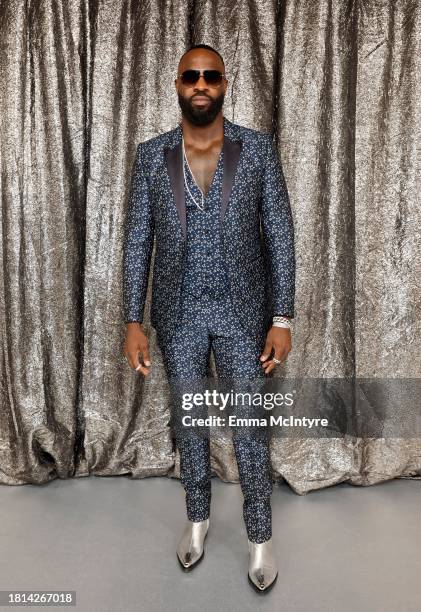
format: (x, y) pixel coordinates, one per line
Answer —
(83, 82)
(42, 236)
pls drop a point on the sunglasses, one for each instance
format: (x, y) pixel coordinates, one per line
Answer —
(212, 77)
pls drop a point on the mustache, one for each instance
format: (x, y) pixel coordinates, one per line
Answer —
(200, 96)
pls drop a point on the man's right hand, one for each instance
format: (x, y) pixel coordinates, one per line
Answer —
(137, 346)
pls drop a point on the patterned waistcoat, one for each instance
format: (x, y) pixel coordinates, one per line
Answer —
(205, 269)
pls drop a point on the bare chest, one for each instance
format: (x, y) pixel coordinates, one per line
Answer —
(203, 164)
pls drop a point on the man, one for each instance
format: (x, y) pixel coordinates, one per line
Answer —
(213, 194)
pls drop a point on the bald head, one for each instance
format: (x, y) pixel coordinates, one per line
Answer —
(200, 59)
(221, 65)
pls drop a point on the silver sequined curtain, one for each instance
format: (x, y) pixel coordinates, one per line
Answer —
(81, 83)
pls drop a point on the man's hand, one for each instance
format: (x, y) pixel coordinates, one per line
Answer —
(278, 339)
(136, 344)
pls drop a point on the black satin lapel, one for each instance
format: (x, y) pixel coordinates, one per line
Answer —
(232, 150)
(174, 161)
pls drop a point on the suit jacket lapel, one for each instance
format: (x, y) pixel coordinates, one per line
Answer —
(174, 162)
(232, 150)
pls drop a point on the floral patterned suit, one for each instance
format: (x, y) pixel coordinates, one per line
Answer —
(219, 276)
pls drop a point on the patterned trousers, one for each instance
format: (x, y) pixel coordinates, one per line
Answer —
(207, 324)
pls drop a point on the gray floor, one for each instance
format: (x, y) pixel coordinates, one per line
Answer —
(113, 541)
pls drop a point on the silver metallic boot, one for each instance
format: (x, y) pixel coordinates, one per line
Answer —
(262, 571)
(190, 547)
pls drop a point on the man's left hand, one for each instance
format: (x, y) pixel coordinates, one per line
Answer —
(278, 339)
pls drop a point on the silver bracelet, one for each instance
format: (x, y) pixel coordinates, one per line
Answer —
(279, 321)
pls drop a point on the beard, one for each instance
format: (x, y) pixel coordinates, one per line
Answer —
(198, 115)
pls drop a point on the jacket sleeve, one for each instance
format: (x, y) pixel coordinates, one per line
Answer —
(138, 243)
(278, 232)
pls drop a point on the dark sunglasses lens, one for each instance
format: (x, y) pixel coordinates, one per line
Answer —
(190, 77)
(213, 77)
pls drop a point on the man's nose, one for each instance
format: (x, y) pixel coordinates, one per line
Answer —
(201, 82)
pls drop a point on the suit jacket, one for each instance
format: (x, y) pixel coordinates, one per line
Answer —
(256, 230)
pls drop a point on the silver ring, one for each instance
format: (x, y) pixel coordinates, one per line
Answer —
(138, 367)
(276, 360)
